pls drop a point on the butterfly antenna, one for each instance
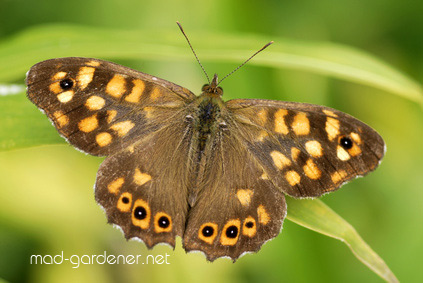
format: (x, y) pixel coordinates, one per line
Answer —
(192, 49)
(245, 62)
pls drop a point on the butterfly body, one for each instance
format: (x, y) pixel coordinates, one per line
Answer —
(212, 172)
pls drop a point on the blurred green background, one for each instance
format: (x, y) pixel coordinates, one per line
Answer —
(47, 204)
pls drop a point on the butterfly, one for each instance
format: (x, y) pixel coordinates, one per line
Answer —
(214, 173)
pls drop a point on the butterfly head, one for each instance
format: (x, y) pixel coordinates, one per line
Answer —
(212, 89)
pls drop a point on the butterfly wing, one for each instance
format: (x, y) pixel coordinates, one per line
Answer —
(106, 109)
(237, 208)
(143, 189)
(101, 107)
(306, 150)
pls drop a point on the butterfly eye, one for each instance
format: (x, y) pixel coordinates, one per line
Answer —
(346, 142)
(219, 90)
(66, 84)
(205, 87)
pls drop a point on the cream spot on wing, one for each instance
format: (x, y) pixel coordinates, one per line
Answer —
(311, 170)
(329, 113)
(111, 114)
(342, 154)
(292, 177)
(65, 96)
(148, 111)
(115, 185)
(155, 94)
(262, 117)
(59, 76)
(314, 148)
(338, 176)
(264, 176)
(301, 125)
(61, 119)
(262, 135)
(131, 148)
(136, 91)
(55, 88)
(93, 63)
(141, 178)
(122, 128)
(116, 86)
(356, 137)
(85, 76)
(95, 103)
(295, 152)
(354, 150)
(280, 125)
(279, 159)
(244, 196)
(263, 216)
(103, 139)
(88, 124)
(332, 128)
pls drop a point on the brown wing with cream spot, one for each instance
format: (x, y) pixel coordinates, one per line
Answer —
(143, 189)
(237, 208)
(306, 150)
(101, 107)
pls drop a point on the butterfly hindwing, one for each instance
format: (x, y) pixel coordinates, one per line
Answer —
(101, 107)
(238, 209)
(306, 150)
(143, 188)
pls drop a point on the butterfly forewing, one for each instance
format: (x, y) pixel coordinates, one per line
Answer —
(307, 150)
(101, 107)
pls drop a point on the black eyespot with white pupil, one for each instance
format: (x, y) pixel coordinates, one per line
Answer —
(140, 213)
(346, 143)
(66, 84)
(208, 231)
(232, 232)
(163, 222)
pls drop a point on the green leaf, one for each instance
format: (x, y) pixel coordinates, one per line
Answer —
(315, 215)
(19, 53)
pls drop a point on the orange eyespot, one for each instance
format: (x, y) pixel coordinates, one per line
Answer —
(141, 214)
(230, 232)
(125, 201)
(249, 228)
(208, 232)
(162, 222)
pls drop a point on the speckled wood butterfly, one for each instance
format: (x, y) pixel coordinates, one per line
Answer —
(212, 172)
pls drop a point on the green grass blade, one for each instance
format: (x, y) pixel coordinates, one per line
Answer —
(22, 125)
(18, 53)
(315, 215)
